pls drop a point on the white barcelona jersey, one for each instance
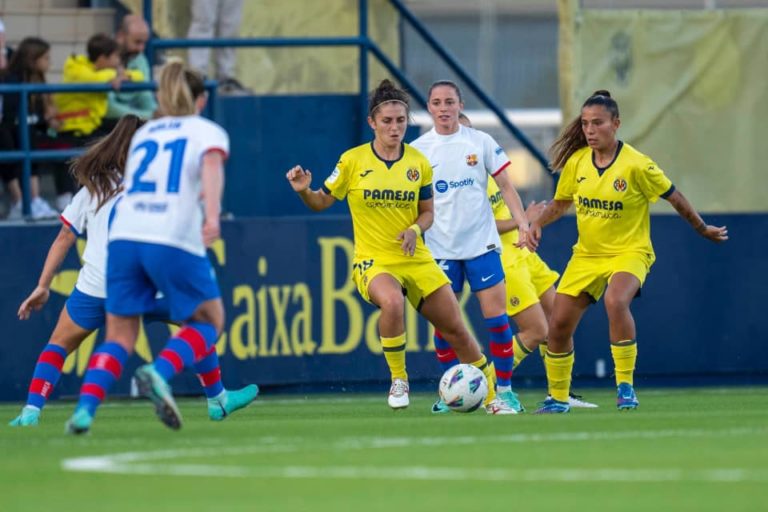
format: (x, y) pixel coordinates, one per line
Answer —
(162, 203)
(81, 217)
(464, 227)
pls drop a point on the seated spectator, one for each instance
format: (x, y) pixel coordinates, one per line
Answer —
(131, 37)
(82, 113)
(28, 64)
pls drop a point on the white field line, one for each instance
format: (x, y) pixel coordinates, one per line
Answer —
(141, 462)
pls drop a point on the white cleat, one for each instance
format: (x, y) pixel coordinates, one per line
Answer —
(499, 406)
(577, 402)
(398, 394)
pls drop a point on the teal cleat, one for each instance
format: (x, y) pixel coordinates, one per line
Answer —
(626, 399)
(552, 406)
(512, 400)
(440, 407)
(79, 423)
(154, 387)
(29, 417)
(231, 401)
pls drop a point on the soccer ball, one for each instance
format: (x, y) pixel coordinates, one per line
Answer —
(463, 388)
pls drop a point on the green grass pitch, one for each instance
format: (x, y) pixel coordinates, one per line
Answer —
(684, 449)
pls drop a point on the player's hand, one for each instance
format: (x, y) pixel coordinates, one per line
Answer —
(34, 302)
(299, 179)
(714, 233)
(534, 209)
(528, 239)
(211, 231)
(409, 241)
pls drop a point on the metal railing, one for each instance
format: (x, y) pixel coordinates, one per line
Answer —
(26, 154)
(365, 45)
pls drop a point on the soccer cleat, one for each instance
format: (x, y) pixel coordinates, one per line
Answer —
(398, 394)
(440, 407)
(499, 406)
(154, 387)
(512, 399)
(231, 401)
(578, 402)
(626, 399)
(79, 423)
(552, 406)
(29, 417)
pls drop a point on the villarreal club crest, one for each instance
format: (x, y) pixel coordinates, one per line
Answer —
(620, 185)
(412, 174)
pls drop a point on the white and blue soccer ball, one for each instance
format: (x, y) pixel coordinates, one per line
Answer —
(463, 388)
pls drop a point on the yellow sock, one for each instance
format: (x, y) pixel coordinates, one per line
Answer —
(624, 356)
(521, 351)
(543, 349)
(490, 375)
(394, 353)
(559, 368)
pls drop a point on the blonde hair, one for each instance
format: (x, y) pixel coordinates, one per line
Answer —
(178, 88)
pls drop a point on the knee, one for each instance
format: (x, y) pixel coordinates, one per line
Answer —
(392, 304)
(615, 304)
(536, 333)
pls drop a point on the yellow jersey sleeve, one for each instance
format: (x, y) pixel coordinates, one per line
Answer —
(652, 181)
(337, 184)
(500, 211)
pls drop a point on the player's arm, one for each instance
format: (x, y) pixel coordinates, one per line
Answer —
(426, 209)
(554, 210)
(687, 211)
(515, 205)
(534, 210)
(212, 177)
(56, 254)
(300, 180)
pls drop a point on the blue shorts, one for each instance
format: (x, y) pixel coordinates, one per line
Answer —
(136, 271)
(481, 272)
(85, 310)
(90, 312)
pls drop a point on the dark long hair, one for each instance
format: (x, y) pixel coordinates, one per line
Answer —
(572, 137)
(22, 68)
(101, 168)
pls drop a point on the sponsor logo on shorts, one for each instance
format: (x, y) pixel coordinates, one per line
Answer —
(620, 184)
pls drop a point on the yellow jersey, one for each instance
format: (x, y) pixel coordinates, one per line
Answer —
(510, 255)
(612, 204)
(383, 199)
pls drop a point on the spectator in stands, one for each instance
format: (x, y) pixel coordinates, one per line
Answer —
(612, 185)
(391, 261)
(131, 37)
(29, 64)
(82, 113)
(217, 18)
(5, 51)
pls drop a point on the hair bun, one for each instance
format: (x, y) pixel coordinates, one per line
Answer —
(602, 92)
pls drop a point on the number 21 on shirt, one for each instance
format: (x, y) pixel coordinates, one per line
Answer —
(151, 148)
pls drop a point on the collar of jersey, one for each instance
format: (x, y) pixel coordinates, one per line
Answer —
(389, 163)
(443, 138)
(601, 170)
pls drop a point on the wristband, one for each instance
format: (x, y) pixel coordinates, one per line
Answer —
(415, 228)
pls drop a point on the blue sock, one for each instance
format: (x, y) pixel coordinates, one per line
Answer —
(46, 375)
(188, 346)
(502, 349)
(209, 373)
(445, 354)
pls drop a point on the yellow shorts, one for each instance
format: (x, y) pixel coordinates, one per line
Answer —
(591, 274)
(526, 281)
(418, 278)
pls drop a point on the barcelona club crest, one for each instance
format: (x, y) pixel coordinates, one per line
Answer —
(472, 160)
(412, 174)
(620, 185)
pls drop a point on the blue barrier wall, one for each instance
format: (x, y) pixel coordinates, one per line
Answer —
(293, 315)
(271, 134)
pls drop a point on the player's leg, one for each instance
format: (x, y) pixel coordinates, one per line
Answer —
(454, 270)
(622, 288)
(66, 337)
(386, 292)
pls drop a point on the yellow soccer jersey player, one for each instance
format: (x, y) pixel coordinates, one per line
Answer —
(612, 204)
(383, 199)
